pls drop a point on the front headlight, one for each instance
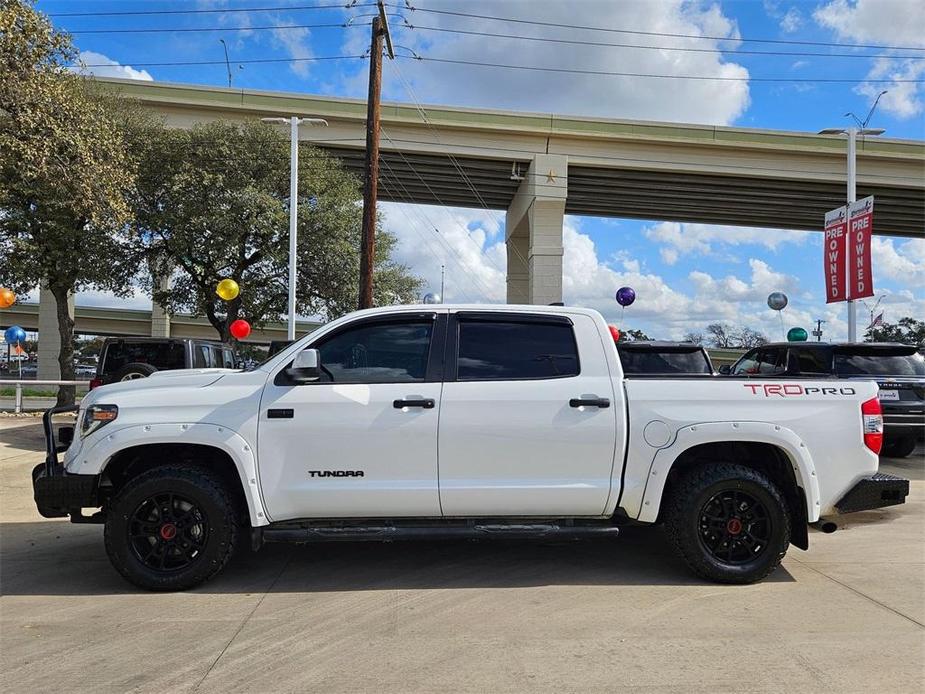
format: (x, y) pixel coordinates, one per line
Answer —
(96, 416)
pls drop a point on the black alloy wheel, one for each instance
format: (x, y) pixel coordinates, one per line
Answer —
(172, 527)
(735, 527)
(168, 532)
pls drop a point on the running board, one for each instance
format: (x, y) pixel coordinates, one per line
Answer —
(387, 533)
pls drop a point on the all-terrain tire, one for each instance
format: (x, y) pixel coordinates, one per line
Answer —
(134, 370)
(171, 528)
(693, 531)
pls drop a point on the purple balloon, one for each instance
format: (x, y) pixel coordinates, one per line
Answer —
(626, 296)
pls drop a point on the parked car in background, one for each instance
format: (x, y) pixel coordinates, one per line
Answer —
(128, 358)
(898, 369)
(83, 370)
(652, 357)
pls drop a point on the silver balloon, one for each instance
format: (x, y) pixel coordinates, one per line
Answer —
(431, 298)
(777, 301)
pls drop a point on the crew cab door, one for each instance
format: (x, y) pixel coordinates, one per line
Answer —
(362, 440)
(528, 422)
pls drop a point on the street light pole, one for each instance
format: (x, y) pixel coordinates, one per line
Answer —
(852, 134)
(294, 123)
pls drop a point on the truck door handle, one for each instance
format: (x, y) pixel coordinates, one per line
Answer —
(426, 403)
(603, 403)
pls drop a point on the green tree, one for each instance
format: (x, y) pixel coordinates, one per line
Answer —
(633, 336)
(907, 330)
(213, 203)
(65, 171)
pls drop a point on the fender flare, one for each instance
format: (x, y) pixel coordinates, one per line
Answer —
(95, 460)
(691, 435)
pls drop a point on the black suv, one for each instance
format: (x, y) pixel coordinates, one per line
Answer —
(653, 358)
(127, 358)
(898, 369)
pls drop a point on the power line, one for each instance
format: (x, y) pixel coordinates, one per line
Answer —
(222, 10)
(647, 75)
(559, 25)
(252, 61)
(172, 30)
(575, 42)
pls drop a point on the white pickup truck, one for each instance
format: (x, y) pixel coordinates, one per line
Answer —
(460, 422)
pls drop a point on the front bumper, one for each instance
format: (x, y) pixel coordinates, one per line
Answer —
(872, 492)
(56, 492)
(62, 494)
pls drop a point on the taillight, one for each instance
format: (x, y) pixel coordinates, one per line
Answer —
(95, 383)
(872, 418)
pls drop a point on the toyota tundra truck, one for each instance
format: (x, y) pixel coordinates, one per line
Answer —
(460, 422)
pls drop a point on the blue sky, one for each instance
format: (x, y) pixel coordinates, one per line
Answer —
(685, 275)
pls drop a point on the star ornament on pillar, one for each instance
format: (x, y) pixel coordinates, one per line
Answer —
(551, 176)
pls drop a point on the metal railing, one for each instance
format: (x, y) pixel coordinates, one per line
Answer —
(17, 405)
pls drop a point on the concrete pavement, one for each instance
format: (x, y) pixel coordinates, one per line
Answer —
(615, 615)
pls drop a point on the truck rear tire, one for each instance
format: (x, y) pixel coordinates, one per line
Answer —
(728, 522)
(171, 528)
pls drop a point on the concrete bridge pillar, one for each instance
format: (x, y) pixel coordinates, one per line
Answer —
(49, 339)
(534, 232)
(160, 319)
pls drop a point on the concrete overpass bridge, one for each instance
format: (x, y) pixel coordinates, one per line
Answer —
(539, 167)
(123, 322)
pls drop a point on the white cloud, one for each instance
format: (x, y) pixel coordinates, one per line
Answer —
(699, 239)
(890, 22)
(297, 44)
(903, 99)
(903, 262)
(104, 66)
(875, 21)
(791, 21)
(598, 95)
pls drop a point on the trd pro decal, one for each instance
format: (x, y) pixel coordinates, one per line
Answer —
(795, 389)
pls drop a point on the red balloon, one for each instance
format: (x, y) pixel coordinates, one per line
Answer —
(614, 333)
(240, 329)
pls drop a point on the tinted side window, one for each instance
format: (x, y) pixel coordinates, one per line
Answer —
(812, 361)
(747, 364)
(201, 357)
(772, 361)
(164, 356)
(378, 353)
(228, 359)
(503, 351)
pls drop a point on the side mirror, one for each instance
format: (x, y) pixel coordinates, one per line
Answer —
(725, 369)
(306, 367)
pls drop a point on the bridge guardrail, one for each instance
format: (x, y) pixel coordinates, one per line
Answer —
(17, 406)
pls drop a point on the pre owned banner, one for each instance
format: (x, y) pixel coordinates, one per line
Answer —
(836, 224)
(860, 227)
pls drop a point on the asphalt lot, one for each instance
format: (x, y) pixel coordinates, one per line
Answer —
(615, 615)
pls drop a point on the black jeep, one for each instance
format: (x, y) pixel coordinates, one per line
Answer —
(127, 358)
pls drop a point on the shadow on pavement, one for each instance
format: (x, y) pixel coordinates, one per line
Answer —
(52, 559)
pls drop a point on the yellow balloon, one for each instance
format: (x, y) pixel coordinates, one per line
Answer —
(7, 297)
(227, 289)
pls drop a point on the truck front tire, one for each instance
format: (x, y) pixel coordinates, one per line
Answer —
(729, 522)
(171, 528)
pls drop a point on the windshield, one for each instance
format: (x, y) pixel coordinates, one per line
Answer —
(879, 365)
(646, 362)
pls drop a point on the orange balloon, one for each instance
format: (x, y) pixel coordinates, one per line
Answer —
(7, 297)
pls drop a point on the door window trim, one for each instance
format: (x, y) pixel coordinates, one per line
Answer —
(433, 372)
(452, 341)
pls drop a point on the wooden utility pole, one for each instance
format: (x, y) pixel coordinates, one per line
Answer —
(380, 31)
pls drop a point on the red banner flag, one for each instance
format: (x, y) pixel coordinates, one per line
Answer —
(836, 223)
(860, 225)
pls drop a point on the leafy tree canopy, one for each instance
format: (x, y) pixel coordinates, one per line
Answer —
(907, 330)
(65, 171)
(213, 203)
